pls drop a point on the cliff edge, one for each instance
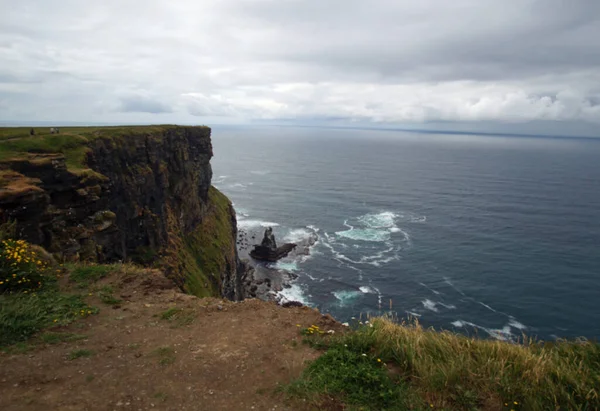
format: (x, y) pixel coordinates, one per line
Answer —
(140, 194)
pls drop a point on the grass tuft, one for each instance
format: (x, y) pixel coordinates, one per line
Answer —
(73, 355)
(178, 316)
(84, 275)
(56, 338)
(166, 355)
(23, 315)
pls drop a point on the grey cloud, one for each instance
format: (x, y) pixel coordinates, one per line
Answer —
(378, 61)
(139, 104)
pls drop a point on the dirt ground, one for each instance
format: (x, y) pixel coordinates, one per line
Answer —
(211, 355)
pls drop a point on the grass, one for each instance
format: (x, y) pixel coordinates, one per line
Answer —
(106, 296)
(73, 142)
(23, 315)
(84, 275)
(57, 338)
(201, 256)
(165, 355)
(178, 316)
(443, 370)
(81, 353)
(197, 260)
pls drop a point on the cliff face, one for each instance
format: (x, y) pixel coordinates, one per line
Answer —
(140, 194)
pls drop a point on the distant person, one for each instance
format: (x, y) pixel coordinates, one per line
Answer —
(32, 132)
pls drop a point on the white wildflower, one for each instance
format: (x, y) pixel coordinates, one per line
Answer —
(331, 332)
(345, 324)
(364, 355)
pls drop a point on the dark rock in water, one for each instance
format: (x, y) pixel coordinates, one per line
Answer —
(268, 254)
(269, 239)
(288, 304)
(268, 250)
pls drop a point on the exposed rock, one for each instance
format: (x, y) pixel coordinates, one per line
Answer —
(288, 304)
(268, 250)
(146, 197)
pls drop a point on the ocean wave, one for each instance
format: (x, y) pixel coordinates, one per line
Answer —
(255, 223)
(430, 289)
(238, 186)
(346, 297)
(365, 289)
(289, 266)
(432, 305)
(429, 305)
(365, 234)
(501, 334)
(260, 172)
(293, 293)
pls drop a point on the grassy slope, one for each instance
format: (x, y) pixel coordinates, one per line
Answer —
(203, 252)
(443, 370)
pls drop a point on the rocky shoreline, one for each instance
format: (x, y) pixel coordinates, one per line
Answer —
(263, 279)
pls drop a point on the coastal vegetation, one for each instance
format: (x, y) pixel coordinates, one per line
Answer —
(383, 364)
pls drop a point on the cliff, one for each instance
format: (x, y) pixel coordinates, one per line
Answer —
(139, 194)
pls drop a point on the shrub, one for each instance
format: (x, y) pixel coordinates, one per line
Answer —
(22, 269)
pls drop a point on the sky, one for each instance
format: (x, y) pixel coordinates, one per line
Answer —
(521, 65)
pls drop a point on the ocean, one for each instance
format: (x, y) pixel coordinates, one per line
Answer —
(485, 235)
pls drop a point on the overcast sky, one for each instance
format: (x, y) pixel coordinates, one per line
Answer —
(381, 62)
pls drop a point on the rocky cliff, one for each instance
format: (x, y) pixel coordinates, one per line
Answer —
(124, 193)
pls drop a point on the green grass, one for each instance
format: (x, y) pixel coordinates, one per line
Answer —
(84, 275)
(178, 316)
(23, 315)
(72, 141)
(57, 338)
(81, 353)
(165, 355)
(106, 296)
(346, 376)
(201, 257)
(450, 371)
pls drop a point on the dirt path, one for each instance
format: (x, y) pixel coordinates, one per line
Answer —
(208, 355)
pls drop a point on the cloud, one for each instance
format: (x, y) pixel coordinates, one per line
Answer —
(381, 61)
(137, 104)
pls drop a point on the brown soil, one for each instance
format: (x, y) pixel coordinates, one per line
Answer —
(211, 355)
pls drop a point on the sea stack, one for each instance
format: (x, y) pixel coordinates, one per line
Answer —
(268, 250)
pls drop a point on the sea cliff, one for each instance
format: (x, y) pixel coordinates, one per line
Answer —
(140, 194)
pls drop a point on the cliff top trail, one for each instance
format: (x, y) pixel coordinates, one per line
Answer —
(159, 349)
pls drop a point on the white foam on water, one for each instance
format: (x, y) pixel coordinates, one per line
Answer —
(312, 227)
(430, 289)
(346, 297)
(429, 305)
(413, 314)
(289, 266)
(487, 306)
(418, 219)
(298, 235)
(293, 293)
(447, 281)
(502, 334)
(260, 172)
(515, 324)
(386, 219)
(255, 223)
(238, 185)
(219, 179)
(365, 289)
(365, 234)
(448, 306)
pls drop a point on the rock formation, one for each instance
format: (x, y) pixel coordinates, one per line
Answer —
(141, 194)
(268, 250)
